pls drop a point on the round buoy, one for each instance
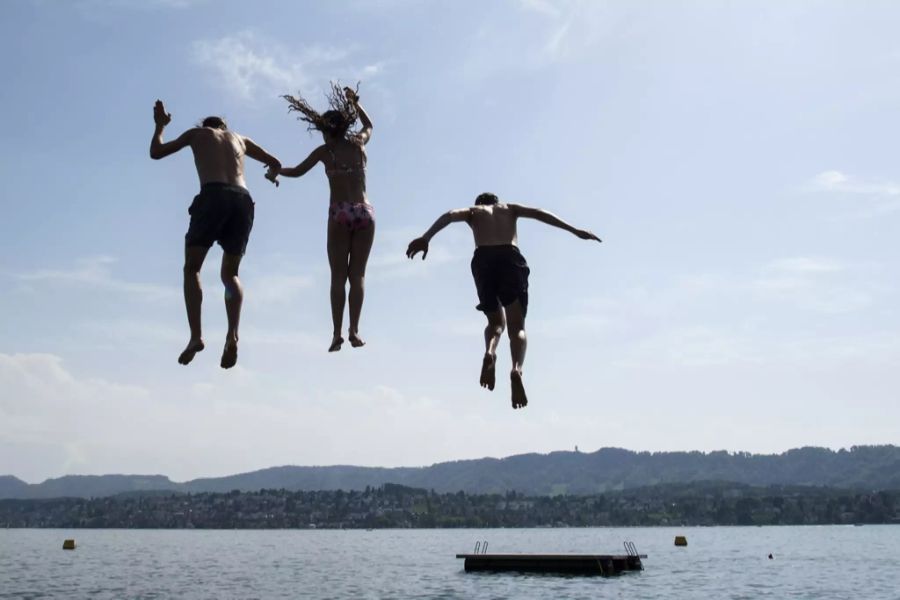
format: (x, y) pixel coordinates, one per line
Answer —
(680, 540)
(69, 545)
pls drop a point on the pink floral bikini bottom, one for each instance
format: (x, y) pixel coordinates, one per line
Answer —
(352, 215)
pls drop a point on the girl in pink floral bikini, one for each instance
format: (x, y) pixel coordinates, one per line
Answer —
(351, 219)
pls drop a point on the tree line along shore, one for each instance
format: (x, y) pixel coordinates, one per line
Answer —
(397, 506)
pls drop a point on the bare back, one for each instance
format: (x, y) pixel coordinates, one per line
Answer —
(494, 224)
(218, 155)
(345, 166)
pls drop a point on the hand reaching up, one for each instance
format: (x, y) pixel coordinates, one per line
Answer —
(351, 95)
(160, 116)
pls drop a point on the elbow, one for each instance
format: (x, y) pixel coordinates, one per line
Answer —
(155, 154)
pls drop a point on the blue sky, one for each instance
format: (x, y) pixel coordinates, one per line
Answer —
(737, 159)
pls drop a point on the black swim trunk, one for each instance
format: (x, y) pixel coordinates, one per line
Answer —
(501, 277)
(221, 213)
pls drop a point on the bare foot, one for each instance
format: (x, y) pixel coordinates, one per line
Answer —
(229, 355)
(193, 347)
(518, 390)
(487, 371)
(336, 343)
(355, 340)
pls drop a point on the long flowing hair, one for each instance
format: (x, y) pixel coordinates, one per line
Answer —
(338, 121)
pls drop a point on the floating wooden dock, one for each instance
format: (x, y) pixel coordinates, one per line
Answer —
(575, 564)
(580, 564)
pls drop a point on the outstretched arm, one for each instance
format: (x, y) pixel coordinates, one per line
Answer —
(421, 244)
(254, 151)
(550, 219)
(300, 170)
(366, 133)
(158, 148)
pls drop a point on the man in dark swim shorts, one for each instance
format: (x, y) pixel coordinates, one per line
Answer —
(501, 276)
(222, 212)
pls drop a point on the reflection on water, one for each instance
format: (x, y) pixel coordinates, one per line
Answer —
(719, 562)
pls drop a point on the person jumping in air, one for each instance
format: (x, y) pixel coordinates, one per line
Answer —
(351, 219)
(501, 276)
(222, 212)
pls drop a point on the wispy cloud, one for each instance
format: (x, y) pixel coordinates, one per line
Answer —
(804, 265)
(248, 65)
(883, 196)
(281, 288)
(546, 33)
(389, 260)
(95, 272)
(837, 181)
(545, 7)
(44, 401)
(816, 284)
(95, 8)
(770, 309)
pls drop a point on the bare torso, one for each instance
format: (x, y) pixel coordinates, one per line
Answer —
(345, 166)
(493, 225)
(218, 155)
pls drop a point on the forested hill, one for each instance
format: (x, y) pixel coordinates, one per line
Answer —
(861, 467)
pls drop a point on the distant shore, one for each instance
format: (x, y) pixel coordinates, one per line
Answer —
(397, 506)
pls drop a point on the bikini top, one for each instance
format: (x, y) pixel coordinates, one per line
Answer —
(344, 168)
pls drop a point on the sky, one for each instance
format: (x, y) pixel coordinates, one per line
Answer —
(737, 159)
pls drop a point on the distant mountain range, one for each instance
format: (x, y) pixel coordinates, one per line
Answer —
(607, 469)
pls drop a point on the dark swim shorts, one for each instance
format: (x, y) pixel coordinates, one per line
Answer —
(221, 213)
(501, 277)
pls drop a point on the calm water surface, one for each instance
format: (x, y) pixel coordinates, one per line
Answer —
(719, 562)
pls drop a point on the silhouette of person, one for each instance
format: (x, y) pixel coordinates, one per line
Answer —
(501, 276)
(222, 212)
(351, 219)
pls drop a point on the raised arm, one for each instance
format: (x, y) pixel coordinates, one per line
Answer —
(549, 218)
(366, 133)
(420, 244)
(158, 148)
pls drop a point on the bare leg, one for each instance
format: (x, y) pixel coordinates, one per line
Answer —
(193, 300)
(493, 331)
(234, 298)
(518, 343)
(360, 246)
(338, 255)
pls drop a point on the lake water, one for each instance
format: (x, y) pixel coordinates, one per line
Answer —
(719, 562)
